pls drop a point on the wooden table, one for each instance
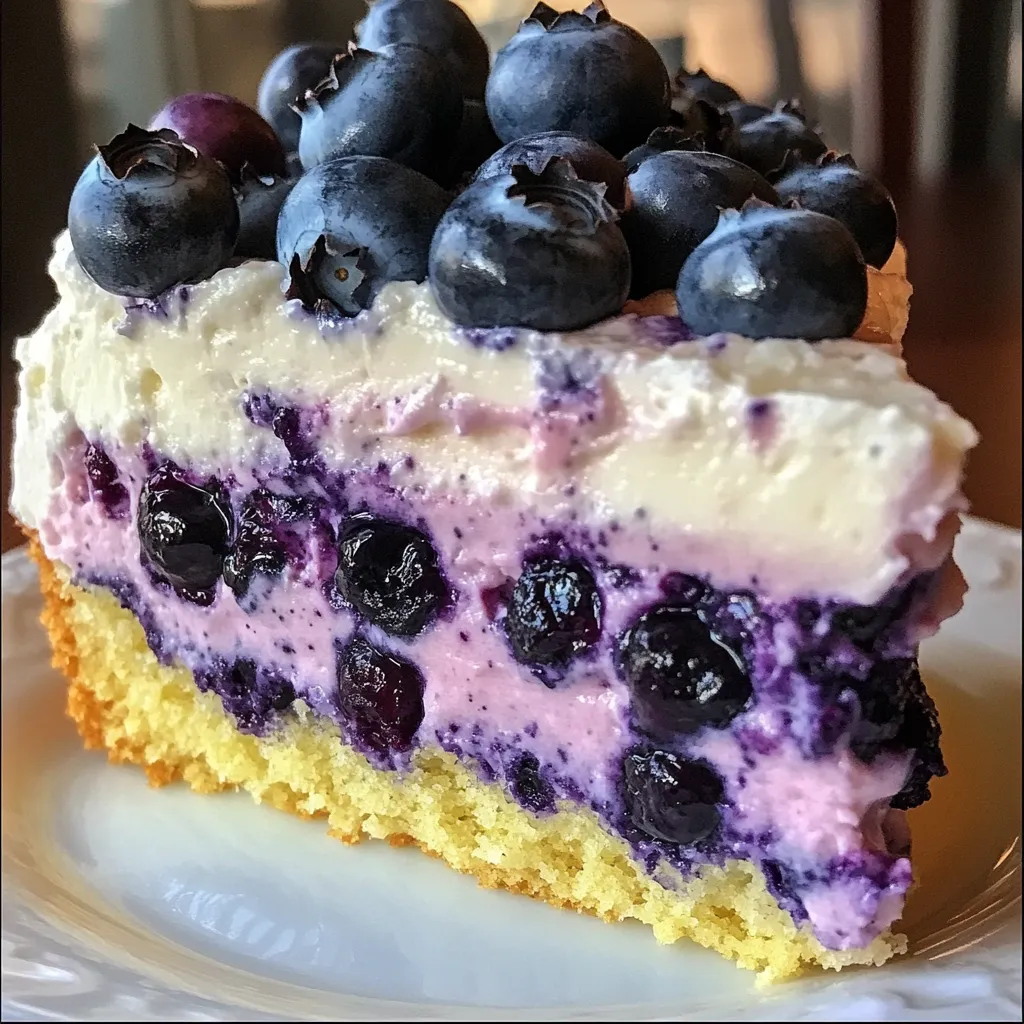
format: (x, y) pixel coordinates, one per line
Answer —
(964, 340)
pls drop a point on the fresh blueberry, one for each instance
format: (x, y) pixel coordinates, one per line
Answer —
(688, 86)
(528, 786)
(388, 572)
(475, 144)
(226, 130)
(149, 212)
(584, 73)
(383, 212)
(706, 123)
(259, 203)
(764, 144)
(256, 550)
(671, 798)
(105, 483)
(185, 532)
(682, 675)
(529, 250)
(288, 77)
(439, 26)
(590, 161)
(836, 187)
(397, 102)
(675, 201)
(743, 113)
(774, 273)
(554, 613)
(663, 140)
(380, 696)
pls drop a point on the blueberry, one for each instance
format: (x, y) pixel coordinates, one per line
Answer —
(388, 572)
(675, 200)
(682, 675)
(226, 130)
(763, 144)
(396, 102)
(663, 140)
(528, 786)
(920, 733)
(383, 211)
(528, 250)
(835, 186)
(259, 203)
(584, 73)
(590, 161)
(287, 78)
(771, 273)
(380, 696)
(105, 483)
(554, 613)
(743, 113)
(671, 798)
(439, 26)
(475, 144)
(712, 126)
(184, 532)
(256, 550)
(248, 693)
(688, 86)
(149, 212)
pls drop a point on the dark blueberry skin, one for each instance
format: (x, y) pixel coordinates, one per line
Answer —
(688, 86)
(529, 787)
(256, 550)
(384, 209)
(836, 187)
(226, 130)
(185, 533)
(582, 73)
(380, 695)
(525, 250)
(287, 78)
(259, 204)
(682, 675)
(397, 102)
(248, 692)
(475, 145)
(671, 798)
(676, 198)
(590, 161)
(439, 26)
(388, 572)
(663, 140)
(105, 483)
(554, 613)
(149, 213)
(743, 113)
(771, 273)
(764, 143)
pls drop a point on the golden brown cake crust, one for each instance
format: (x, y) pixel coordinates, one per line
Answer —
(123, 700)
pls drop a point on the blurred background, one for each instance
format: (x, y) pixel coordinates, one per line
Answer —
(927, 93)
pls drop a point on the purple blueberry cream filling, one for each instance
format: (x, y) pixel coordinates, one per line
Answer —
(565, 657)
(508, 409)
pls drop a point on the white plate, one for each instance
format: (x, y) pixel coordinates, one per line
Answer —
(121, 903)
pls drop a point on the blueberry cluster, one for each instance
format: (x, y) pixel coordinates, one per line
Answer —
(540, 192)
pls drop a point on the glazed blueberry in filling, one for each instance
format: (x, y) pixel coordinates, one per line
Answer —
(389, 573)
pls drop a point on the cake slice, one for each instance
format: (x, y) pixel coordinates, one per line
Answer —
(415, 530)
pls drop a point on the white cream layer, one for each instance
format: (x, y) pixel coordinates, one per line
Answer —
(849, 481)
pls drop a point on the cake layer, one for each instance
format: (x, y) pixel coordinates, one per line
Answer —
(124, 700)
(818, 469)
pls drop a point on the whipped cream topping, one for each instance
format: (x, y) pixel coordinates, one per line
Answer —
(815, 468)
